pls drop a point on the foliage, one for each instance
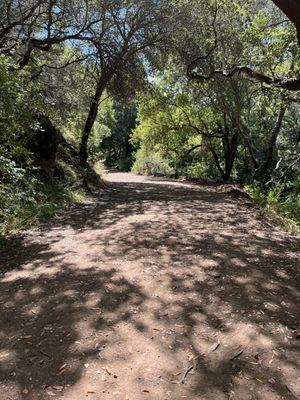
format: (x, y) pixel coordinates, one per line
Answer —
(15, 120)
(281, 199)
(104, 80)
(152, 164)
(116, 147)
(25, 198)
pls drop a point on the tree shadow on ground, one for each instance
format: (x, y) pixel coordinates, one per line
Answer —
(187, 269)
(41, 319)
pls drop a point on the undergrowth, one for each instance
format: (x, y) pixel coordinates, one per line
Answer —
(281, 200)
(28, 198)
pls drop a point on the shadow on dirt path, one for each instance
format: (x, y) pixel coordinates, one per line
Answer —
(153, 290)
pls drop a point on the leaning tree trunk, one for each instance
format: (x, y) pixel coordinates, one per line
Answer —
(91, 118)
(217, 162)
(264, 171)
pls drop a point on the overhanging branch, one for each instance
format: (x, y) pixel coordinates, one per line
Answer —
(292, 84)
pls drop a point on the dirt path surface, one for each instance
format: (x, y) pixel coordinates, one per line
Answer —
(154, 290)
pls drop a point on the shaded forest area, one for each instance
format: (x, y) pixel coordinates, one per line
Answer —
(208, 90)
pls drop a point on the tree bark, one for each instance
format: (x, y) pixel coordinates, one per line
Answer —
(291, 84)
(229, 152)
(91, 118)
(263, 172)
(217, 161)
(291, 8)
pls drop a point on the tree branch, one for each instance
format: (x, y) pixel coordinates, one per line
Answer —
(292, 84)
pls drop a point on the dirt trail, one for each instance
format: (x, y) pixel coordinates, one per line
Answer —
(154, 290)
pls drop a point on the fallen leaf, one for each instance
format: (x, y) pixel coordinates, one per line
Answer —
(108, 370)
(236, 354)
(58, 388)
(50, 393)
(214, 347)
(62, 367)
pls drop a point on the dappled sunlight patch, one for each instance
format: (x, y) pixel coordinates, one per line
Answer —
(31, 310)
(145, 300)
(31, 274)
(236, 262)
(36, 291)
(6, 357)
(271, 285)
(281, 273)
(8, 304)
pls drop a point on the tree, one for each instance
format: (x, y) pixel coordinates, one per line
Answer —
(117, 148)
(127, 33)
(262, 69)
(38, 25)
(181, 120)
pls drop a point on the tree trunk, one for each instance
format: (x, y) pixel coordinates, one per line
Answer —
(26, 57)
(91, 118)
(291, 9)
(217, 161)
(230, 154)
(263, 172)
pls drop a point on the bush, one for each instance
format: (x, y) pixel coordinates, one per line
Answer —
(125, 164)
(26, 198)
(255, 192)
(66, 172)
(202, 170)
(281, 199)
(152, 164)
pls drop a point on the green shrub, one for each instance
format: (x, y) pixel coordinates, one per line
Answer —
(274, 195)
(66, 172)
(195, 170)
(25, 198)
(283, 200)
(152, 164)
(255, 192)
(125, 164)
